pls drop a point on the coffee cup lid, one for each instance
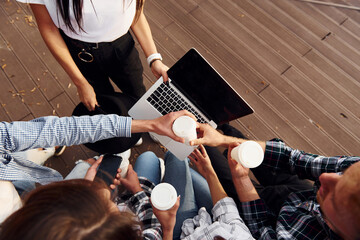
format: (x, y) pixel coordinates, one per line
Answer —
(184, 126)
(251, 154)
(163, 196)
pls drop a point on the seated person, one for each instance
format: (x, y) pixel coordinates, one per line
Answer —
(197, 201)
(83, 209)
(54, 131)
(200, 195)
(329, 211)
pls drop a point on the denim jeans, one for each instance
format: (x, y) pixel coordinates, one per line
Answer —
(148, 165)
(190, 185)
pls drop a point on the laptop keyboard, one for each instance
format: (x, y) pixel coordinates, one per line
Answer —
(166, 100)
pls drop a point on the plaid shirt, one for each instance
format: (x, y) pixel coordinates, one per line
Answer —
(300, 216)
(140, 205)
(48, 132)
(226, 223)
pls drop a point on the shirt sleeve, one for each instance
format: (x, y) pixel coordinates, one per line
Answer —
(278, 156)
(54, 131)
(258, 218)
(140, 204)
(226, 212)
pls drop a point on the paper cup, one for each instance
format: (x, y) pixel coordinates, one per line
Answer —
(185, 127)
(163, 196)
(249, 154)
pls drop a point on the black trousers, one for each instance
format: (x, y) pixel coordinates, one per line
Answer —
(274, 187)
(118, 60)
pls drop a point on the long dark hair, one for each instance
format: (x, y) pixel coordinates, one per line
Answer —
(63, 7)
(69, 210)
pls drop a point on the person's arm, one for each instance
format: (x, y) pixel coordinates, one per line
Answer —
(142, 31)
(161, 125)
(140, 204)
(209, 136)
(167, 219)
(201, 160)
(66, 131)
(240, 175)
(52, 38)
(252, 209)
(279, 156)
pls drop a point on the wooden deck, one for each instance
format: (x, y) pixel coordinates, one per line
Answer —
(297, 64)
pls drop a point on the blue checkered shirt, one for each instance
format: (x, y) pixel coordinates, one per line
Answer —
(300, 216)
(48, 132)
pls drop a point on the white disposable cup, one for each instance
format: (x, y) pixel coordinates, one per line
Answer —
(163, 196)
(249, 154)
(185, 127)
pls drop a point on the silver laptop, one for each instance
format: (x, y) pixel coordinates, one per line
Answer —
(196, 86)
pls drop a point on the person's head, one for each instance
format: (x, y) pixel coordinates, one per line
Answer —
(69, 210)
(65, 7)
(339, 199)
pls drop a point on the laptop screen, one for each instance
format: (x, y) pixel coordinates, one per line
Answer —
(202, 84)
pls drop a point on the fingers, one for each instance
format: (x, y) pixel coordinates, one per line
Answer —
(196, 142)
(97, 163)
(177, 204)
(203, 150)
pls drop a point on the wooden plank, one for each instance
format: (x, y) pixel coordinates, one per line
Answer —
(301, 122)
(24, 88)
(348, 85)
(352, 26)
(283, 35)
(29, 59)
(217, 56)
(37, 44)
(326, 19)
(354, 15)
(303, 19)
(62, 105)
(234, 35)
(3, 114)
(11, 103)
(332, 54)
(323, 111)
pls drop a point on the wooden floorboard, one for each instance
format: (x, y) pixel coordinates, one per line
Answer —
(297, 64)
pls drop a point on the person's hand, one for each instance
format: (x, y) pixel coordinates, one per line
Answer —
(91, 173)
(201, 160)
(159, 69)
(163, 125)
(131, 181)
(87, 96)
(237, 170)
(167, 218)
(209, 136)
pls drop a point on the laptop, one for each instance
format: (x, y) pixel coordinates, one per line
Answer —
(196, 86)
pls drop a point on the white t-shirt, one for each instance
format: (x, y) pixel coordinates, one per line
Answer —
(102, 21)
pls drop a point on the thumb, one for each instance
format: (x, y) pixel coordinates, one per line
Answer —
(196, 142)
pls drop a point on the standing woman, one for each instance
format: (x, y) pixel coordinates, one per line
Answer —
(91, 41)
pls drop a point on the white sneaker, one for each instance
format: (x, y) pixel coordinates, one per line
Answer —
(139, 142)
(162, 169)
(125, 162)
(125, 155)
